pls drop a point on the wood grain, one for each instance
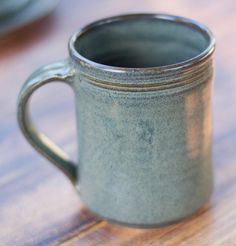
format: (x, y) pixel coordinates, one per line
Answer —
(38, 206)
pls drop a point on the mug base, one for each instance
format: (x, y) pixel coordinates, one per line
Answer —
(150, 226)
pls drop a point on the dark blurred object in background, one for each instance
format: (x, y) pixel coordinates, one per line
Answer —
(9, 7)
(15, 14)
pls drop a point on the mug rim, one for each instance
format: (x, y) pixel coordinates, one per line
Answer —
(203, 55)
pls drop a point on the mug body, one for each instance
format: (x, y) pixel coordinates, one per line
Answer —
(143, 104)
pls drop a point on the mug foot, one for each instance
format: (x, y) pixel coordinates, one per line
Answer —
(150, 226)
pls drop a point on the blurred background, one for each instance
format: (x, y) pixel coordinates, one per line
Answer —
(37, 204)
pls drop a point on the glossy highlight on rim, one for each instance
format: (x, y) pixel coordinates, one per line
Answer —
(115, 69)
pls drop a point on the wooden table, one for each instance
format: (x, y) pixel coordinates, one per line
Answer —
(38, 205)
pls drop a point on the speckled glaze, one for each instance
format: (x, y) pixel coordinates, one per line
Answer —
(143, 101)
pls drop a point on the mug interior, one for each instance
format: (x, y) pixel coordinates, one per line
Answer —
(142, 42)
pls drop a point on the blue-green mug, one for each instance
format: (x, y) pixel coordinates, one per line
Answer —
(142, 84)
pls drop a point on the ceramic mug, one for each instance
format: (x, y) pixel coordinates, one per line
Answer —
(142, 84)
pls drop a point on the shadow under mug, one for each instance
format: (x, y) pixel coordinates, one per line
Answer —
(142, 84)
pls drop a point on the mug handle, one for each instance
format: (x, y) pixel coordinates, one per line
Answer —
(59, 71)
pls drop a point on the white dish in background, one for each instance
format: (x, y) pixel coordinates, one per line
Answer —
(31, 12)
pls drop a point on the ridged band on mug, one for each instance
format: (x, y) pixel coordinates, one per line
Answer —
(153, 81)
